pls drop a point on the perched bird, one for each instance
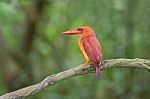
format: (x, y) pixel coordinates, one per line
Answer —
(89, 46)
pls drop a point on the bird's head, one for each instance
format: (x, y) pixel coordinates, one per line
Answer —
(83, 31)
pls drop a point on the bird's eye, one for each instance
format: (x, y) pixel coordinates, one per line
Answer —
(80, 29)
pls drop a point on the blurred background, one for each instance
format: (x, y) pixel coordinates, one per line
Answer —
(32, 46)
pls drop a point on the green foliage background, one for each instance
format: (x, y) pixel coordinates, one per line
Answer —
(32, 46)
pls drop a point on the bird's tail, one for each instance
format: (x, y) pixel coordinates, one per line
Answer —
(97, 71)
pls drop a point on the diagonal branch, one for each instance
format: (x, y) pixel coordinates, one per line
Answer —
(76, 71)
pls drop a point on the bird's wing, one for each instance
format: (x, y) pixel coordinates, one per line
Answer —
(93, 49)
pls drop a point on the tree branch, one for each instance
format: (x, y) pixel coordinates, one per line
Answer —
(76, 71)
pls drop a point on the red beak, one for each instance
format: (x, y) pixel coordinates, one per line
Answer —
(72, 32)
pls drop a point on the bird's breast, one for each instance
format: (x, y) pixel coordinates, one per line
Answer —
(83, 49)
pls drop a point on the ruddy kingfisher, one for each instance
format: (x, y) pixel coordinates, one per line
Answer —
(89, 46)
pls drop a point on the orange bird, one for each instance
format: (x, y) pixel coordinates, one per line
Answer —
(89, 46)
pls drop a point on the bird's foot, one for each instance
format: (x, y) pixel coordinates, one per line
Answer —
(85, 65)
